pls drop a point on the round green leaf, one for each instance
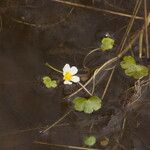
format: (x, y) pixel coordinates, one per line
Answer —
(89, 140)
(141, 71)
(79, 103)
(107, 43)
(95, 102)
(130, 71)
(127, 62)
(88, 107)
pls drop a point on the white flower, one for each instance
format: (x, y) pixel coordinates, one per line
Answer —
(69, 74)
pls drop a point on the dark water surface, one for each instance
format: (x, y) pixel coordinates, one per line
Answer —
(24, 48)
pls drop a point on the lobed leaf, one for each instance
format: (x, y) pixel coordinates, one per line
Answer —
(127, 62)
(141, 71)
(107, 43)
(79, 103)
(132, 69)
(87, 105)
(49, 83)
(88, 109)
(95, 102)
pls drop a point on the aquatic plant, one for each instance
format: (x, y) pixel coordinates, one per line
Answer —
(132, 69)
(107, 43)
(69, 74)
(114, 120)
(87, 105)
(89, 140)
(49, 83)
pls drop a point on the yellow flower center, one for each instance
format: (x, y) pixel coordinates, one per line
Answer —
(67, 76)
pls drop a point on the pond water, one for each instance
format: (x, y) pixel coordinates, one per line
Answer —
(38, 31)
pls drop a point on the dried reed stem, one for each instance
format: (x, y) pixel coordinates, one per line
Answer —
(97, 9)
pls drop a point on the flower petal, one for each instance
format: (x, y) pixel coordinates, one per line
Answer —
(73, 70)
(66, 68)
(75, 79)
(67, 82)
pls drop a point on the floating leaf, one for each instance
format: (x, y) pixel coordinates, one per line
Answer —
(87, 105)
(49, 83)
(127, 62)
(141, 71)
(89, 140)
(95, 102)
(88, 109)
(79, 103)
(132, 69)
(53, 84)
(107, 43)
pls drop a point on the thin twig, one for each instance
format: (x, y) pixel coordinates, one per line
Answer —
(123, 126)
(55, 123)
(91, 126)
(113, 5)
(108, 83)
(1, 23)
(146, 29)
(141, 44)
(65, 146)
(97, 9)
(53, 68)
(92, 51)
(149, 76)
(25, 23)
(31, 129)
(124, 39)
(42, 25)
(84, 88)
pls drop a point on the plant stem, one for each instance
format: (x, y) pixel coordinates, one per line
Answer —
(141, 44)
(96, 9)
(85, 88)
(108, 82)
(146, 29)
(55, 123)
(65, 146)
(51, 67)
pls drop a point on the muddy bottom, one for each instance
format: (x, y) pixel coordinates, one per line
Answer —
(39, 31)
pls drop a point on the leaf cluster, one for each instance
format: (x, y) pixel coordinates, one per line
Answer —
(132, 69)
(87, 105)
(49, 83)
